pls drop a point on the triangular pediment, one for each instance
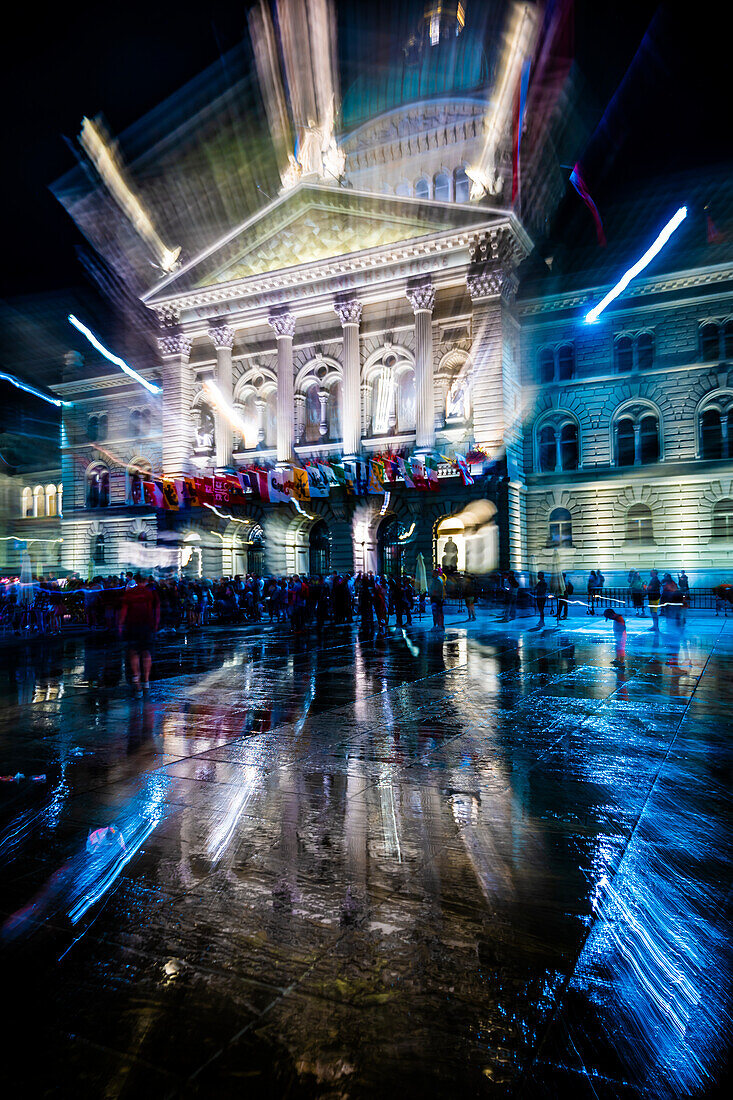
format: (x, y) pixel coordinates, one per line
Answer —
(313, 224)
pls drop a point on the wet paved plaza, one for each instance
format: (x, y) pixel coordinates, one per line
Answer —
(482, 863)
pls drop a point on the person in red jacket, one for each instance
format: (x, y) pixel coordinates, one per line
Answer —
(139, 620)
(619, 633)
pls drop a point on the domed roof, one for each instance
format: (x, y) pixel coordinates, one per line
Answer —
(453, 65)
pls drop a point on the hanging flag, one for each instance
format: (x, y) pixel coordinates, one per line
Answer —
(463, 470)
(170, 496)
(520, 106)
(417, 469)
(391, 469)
(197, 489)
(316, 484)
(279, 485)
(405, 473)
(339, 472)
(301, 489)
(258, 482)
(579, 184)
(153, 494)
(327, 473)
(184, 498)
(431, 470)
(374, 484)
(238, 492)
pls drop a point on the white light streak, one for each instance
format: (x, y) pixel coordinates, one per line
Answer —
(32, 389)
(592, 316)
(223, 515)
(225, 408)
(110, 356)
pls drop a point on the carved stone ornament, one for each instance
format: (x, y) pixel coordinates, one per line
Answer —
(349, 313)
(222, 337)
(283, 324)
(168, 315)
(175, 345)
(421, 297)
(491, 284)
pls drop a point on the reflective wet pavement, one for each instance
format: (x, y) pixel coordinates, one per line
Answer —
(482, 863)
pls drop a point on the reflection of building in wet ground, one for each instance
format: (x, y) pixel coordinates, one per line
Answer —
(334, 839)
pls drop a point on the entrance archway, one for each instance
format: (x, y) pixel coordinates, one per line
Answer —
(390, 549)
(319, 549)
(256, 550)
(468, 541)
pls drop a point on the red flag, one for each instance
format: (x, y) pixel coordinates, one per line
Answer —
(579, 184)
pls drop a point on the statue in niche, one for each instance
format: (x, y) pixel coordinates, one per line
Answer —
(205, 429)
(449, 560)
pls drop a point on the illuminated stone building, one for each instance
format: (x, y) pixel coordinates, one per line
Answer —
(387, 309)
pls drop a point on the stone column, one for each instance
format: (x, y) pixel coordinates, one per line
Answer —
(177, 390)
(349, 314)
(323, 426)
(260, 406)
(422, 300)
(283, 325)
(637, 443)
(222, 337)
(366, 406)
(299, 412)
(495, 371)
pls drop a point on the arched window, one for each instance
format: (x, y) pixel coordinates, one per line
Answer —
(639, 524)
(334, 411)
(205, 432)
(138, 473)
(711, 434)
(312, 431)
(389, 547)
(645, 350)
(546, 362)
(98, 487)
(39, 503)
(93, 428)
(561, 528)
(548, 449)
(625, 448)
(565, 362)
(461, 185)
(710, 342)
(271, 420)
(102, 426)
(402, 189)
(623, 350)
(26, 502)
(723, 519)
(727, 338)
(98, 550)
(422, 189)
(145, 422)
(406, 402)
(442, 187)
(569, 447)
(649, 439)
(135, 417)
(50, 500)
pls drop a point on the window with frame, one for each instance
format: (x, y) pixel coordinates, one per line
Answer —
(569, 447)
(548, 449)
(561, 528)
(442, 187)
(565, 362)
(711, 434)
(461, 185)
(546, 362)
(26, 502)
(723, 519)
(422, 189)
(649, 430)
(710, 341)
(623, 350)
(645, 350)
(98, 550)
(639, 527)
(625, 442)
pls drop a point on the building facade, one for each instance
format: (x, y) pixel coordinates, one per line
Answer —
(387, 311)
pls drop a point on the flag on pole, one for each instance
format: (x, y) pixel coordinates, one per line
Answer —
(463, 470)
(258, 482)
(170, 496)
(184, 496)
(417, 469)
(431, 470)
(327, 473)
(405, 473)
(301, 489)
(317, 486)
(153, 495)
(578, 183)
(374, 484)
(339, 472)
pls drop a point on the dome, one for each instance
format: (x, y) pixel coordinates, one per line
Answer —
(453, 65)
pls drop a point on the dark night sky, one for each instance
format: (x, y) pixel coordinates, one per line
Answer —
(121, 60)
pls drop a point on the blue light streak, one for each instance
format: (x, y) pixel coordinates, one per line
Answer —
(32, 390)
(592, 316)
(110, 356)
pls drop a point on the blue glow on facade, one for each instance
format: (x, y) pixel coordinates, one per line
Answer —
(592, 316)
(111, 357)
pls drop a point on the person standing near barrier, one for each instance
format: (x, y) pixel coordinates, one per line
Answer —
(653, 592)
(512, 589)
(563, 597)
(540, 595)
(619, 634)
(437, 599)
(591, 593)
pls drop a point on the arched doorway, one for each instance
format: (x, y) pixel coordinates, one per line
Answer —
(389, 547)
(319, 549)
(256, 550)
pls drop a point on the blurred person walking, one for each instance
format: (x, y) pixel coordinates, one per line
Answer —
(619, 634)
(139, 621)
(437, 599)
(653, 593)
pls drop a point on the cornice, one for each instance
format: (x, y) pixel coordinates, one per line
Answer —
(103, 382)
(663, 284)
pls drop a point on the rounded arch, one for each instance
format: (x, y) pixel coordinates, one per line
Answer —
(97, 480)
(389, 377)
(630, 421)
(714, 424)
(139, 469)
(255, 379)
(466, 539)
(26, 502)
(422, 188)
(51, 502)
(320, 371)
(39, 501)
(557, 441)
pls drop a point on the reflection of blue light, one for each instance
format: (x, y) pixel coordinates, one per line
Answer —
(112, 358)
(648, 256)
(32, 389)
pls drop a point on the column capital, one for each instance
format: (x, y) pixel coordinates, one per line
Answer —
(349, 311)
(491, 282)
(175, 346)
(283, 324)
(421, 298)
(222, 336)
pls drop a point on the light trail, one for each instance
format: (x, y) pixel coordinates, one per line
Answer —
(32, 390)
(111, 356)
(592, 316)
